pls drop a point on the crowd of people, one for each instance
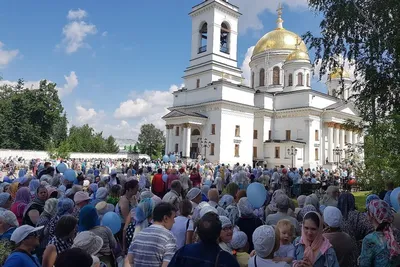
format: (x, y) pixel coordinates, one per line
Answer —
(193, 214)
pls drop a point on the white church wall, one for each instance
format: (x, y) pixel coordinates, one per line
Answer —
(296, 126)
(191, 97)
(293, 100)
(229, 120)
(214, 117)
(238, 95)
(220, 17)
(264, 100)
(320, 102)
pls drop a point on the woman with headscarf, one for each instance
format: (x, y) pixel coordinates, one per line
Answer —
(344, 246)
(226, 234)
(65, 206)
(50, 211)
(312, 200)
(312, 248)
(331, 196)
(101, 195)
(300, 201)
(380, 248)
(33, 186)
(271, 208)
(22, 199)
(13, 189)
(36, 207)
(354, 223)
(89, 221)
(247, 221)
(194, 195)
(5, 201)
(140, 219)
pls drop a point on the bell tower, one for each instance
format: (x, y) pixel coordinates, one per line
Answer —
(214, 44)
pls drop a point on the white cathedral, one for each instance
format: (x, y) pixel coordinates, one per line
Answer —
(278, 120)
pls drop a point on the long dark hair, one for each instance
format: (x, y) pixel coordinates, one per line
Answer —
(130, 185)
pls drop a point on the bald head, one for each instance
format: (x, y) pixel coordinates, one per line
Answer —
(213, 195)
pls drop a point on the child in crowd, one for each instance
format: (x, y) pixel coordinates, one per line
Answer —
(240, 246)
(286, 250)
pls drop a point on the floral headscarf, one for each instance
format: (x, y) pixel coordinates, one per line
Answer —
(382, 213)
(143, 212)
(370, 198)
(245, 208)
(304, 211)
(272, 204)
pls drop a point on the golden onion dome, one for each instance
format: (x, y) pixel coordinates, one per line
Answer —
(338, 73)
(298, 55)
(279, 39)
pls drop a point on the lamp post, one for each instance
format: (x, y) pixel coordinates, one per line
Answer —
(292, 151)
(204, 143)
(338, 151)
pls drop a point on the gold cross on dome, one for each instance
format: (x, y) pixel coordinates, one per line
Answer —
(279, 10)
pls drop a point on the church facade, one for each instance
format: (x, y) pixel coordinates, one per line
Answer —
(277, 120)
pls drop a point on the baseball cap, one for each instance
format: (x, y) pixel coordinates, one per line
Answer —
(23, 231)
(81, 196)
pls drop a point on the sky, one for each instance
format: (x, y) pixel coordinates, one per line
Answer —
(116, 62)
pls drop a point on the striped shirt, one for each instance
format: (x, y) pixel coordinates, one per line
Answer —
(152, 246)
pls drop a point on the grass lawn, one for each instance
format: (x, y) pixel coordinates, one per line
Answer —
(360, 199)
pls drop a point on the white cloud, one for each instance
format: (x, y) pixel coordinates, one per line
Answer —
(246, 67)
(89, 115)
(104, 34)
(251, 12)
(6, 56)
(71, 82)
(75, 33)
(76, 14)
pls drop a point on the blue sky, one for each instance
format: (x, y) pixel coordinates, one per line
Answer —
(115, 62)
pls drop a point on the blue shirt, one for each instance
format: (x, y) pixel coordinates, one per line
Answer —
(21, 259)
(202, 255)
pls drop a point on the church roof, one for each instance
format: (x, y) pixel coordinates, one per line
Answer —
(284, 141)
(179, 113)
(336, 105)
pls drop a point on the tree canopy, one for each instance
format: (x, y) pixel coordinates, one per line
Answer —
(151, 141)
(366, 34)
(34, 119)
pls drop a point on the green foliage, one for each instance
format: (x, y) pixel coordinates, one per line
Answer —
(151, 141)
(29, 116)
(368, 36)
(85, 139)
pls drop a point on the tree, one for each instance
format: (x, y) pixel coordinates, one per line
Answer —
(368, 36)
(111, 145)
(151, 140)
(60, 130)
(28, 115)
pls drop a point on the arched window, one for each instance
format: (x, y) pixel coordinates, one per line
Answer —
(203, 38)
(224, 38)
(300, 79)
(290, 79)
(262, 77)
(276, 76)
(252, 80)
(308, 79)
(195, 132)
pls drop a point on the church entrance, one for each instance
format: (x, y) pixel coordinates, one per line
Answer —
(194, 150)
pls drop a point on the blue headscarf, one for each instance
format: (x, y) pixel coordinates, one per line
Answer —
(64, 206)
(370, 198)
(88, 218)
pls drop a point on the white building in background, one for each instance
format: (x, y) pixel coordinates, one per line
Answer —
(279, 112)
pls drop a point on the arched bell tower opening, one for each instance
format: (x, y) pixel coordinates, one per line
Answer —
(203, 37)
(225, 37)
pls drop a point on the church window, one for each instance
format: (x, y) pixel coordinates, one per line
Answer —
(300, 79)
(276, 76)
(212, 129)
(316, 154)
(212, 148)
(308, 79)
(236, 150)
(254, 152)
(288, 134)
(290, 79)
(176, 148)
(277, 152)
(198, 83)
(252, 80)
(269, 135)
(316, 135)
(203, 38)
(196, 132)
(255, 134)
(224, 39)
(177, 131)
(262, 77)
(237, 131)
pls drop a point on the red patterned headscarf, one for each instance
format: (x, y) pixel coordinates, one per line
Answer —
(382, 213)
